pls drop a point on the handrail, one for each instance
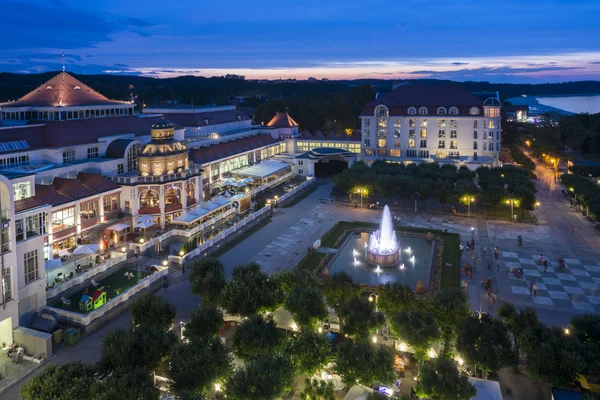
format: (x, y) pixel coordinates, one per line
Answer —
(76, 280)
(86, 319)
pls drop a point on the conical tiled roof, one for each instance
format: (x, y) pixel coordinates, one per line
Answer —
(282, 120)
(62, 90)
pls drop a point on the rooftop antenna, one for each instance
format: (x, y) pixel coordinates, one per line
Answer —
(63, 61)
(62, 80)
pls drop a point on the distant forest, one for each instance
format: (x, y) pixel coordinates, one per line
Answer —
(316, 105)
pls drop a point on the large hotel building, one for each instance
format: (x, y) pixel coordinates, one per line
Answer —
(73, 162)
(441, 123)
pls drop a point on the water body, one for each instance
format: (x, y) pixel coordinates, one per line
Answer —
(572, 104)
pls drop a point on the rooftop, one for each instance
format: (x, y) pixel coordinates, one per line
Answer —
(282, 120)
(205, 154)
(63, 90)
(264, 169)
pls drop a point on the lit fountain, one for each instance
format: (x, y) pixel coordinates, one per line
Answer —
(383, 247)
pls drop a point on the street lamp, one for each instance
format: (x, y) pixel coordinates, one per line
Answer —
(165, 263)
(417, 195)
(276, 197)
(512, 202)
(468, 200)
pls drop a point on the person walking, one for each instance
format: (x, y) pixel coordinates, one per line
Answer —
(546, 265)
(534, 289)
(520, 240)
(496, 253)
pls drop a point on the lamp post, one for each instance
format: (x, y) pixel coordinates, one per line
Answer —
(511, 202)
(276, 197)
(417, 195)
(469, 199)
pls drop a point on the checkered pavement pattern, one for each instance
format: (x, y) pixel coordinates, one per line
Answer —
(576, 287)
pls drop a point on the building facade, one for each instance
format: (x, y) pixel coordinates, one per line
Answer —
(440, 123)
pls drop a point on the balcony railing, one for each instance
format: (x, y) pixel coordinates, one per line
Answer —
(128, 180)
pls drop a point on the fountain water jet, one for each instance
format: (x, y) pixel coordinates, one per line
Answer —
(383, 247)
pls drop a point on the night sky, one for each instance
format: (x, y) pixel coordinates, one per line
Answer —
(498, 41)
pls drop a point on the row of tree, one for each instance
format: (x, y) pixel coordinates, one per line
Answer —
(399, 181)
(499, 185)
(585, 191)
(269, 358)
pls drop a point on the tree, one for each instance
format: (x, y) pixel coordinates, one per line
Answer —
(266, 377)
(484, 342)
(125, 384)
(306, 306)
(365, 363)
(207, 277)
(61, 382)
(257, 336)
(339, 289)
(450, 309)
(552, 356)
(418, 328)
(586, 328)
(317, 389)
(516, 323)
(292, 278)
(153, 310)
(250, 291)
(309, 352)
(143, 346)
(394, 297)
(360, 317)
(440, 380)
(196, 366)
(204, 321)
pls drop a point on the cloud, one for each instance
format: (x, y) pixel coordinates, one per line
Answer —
(460, 63)
(32, 24)
(595, 62)
(483, 71)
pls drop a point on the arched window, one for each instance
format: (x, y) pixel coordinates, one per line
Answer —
(412, 111)
(423, 111)
(190, 192)
(381, 111)
(441, 111)
(172, 196)
(149, 199)
(132, 156)
(453, 111)
(474, 111)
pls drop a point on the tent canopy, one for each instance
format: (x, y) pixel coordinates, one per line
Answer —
(53, 263)
(486, 389)
(264, 169)
(118, 227)
(86, 249)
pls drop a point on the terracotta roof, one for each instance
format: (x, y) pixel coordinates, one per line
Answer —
(402, 98)
(305, 135)
(28, 203)
(96, 182)
(73, 132)
(282, 120)
(49, 195)
(318, 135)
(71, 188)
(200, 118)
(96, 294)
(62, 90)
(220, 150)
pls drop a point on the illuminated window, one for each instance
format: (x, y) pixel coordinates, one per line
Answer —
(491, 124)
(397, 123)
(381, 143)
(440, 154)
(453, 144)
(397, 143)
(395, 153)
(411, 143)
(474, 111)
(423, 123)
(442, 124)
(424, 133)
(492, 112)
(453, 124)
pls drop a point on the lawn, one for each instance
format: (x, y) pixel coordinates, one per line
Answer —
(450, 275)
(112, 285)
(230, 245)
(310, 262)
(300, 198)
(503, 212)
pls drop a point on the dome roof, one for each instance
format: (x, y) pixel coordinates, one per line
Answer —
(163, 124)
(491, 101)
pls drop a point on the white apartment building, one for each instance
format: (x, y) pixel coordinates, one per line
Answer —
(440, 123)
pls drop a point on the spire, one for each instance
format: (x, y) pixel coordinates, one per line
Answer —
(62, 80)
(63, 62)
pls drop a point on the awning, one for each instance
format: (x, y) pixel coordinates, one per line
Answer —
(186, 218)
(118, 227)
(264, 169)
(221, 201)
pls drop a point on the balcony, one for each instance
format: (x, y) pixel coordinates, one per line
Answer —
(135, 179)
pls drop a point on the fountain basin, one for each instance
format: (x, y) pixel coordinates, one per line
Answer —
(382, 259)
